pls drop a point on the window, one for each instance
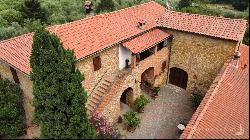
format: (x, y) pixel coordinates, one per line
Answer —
(97, 63)
(14, 74)
(160, 45)
(143, 55)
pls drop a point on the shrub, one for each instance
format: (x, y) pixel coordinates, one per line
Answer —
(240, 5)
(184, 3)
(196, 99)
(103, 128)
(156, 89)
(141, 101)
(132, 119)
(12, 116)
(105, 5)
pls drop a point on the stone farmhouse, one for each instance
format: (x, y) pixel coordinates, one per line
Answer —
(118, 51)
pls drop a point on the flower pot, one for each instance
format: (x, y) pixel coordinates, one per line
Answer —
(119, 119)
(141, 110)
(130, 128)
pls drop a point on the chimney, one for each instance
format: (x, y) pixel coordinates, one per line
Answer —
(141, 24)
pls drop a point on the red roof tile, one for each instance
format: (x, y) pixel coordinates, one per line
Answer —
(146, 40)
(225, 28)
(86, 36)
(224, 112)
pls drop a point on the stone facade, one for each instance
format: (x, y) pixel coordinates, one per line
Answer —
(200, 56)
(109, 65)
(111, 106)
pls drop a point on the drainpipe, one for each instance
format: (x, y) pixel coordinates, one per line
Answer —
(169, 54)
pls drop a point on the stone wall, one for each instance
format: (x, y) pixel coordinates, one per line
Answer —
(200, 56)
(109, 65)
(26, 86)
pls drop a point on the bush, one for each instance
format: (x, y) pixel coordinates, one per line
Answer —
(105, 5)
(103, 128)
(12, 116)
(132, 119)
(156, 89)
(184, 3)
(246, 37)
(196, 99)
(240, 5)
(141, 101)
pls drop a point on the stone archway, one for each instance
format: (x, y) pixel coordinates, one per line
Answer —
(178, 77)
(148, 76)
(126, 99)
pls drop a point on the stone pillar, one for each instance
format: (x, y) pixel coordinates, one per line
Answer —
(133, 60)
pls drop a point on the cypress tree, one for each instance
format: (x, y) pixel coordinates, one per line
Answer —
(59, 98)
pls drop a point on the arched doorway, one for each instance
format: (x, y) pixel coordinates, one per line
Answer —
(127, 97)
(178, 77)
(147, 77)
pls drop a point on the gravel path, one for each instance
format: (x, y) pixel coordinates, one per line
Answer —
(162, 115)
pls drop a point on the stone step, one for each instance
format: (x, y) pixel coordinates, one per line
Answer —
(98, 93)
(97, 97)
(95, 101)
(91, 105)
(90, 109)
(106, 83)
(101, 90)
(103, 87)
(108, 80)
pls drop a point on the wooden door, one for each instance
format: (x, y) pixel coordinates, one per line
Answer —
(178, 77)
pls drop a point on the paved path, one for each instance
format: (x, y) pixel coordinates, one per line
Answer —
(162, 115)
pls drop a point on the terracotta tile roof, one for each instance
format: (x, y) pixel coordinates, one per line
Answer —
(16, 52)
(220, 27)
(88, 35)
(224, 111)
(146, 40)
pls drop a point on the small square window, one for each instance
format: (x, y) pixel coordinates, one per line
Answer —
(97, 63)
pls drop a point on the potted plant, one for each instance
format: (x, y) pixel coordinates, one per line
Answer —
(120, 119)
(140, 103)
(132, 120)
(155, 92)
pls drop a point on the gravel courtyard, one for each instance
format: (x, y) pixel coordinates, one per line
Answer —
(162, 115)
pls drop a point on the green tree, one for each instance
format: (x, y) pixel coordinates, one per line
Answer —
(59, 98)
(184, 3)
(12, 116)
(240, 5)
(31, 9)
(105, 5)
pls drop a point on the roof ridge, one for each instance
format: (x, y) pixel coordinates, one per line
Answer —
(56, 26)
(26, 34)
(104, 14)
(209, 100)
(219, 17)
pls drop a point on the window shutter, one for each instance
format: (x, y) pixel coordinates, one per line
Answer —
(97, 63)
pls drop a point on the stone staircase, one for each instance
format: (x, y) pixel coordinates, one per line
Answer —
(98, 93)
